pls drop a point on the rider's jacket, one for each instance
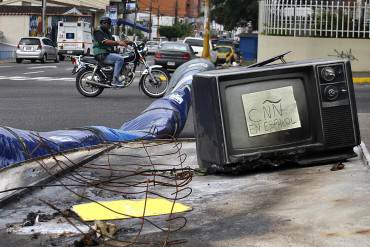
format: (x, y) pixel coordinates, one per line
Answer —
(98, 46)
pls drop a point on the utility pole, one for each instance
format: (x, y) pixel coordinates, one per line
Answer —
(150, 20)
(136, 9)
(176, 12)
(206, 53)
(158, 13)
(122, 27)
(43, 17)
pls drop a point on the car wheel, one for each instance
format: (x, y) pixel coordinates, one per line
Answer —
(33, 60)
(18, 60)
(61, 58)
(56, 60)
(43, 59)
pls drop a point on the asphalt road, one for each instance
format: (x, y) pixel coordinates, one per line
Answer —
(43, 97)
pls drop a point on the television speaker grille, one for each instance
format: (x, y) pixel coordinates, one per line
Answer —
(338, 126)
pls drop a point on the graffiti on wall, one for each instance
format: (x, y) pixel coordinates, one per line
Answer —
(344, 55)
(36, 26)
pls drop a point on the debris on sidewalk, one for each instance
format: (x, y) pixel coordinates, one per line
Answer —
(123, 209)
(337, 167)
(105, 230)
(34, 218)
(131, 182)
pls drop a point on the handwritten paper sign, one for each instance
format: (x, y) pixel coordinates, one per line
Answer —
(271, 111)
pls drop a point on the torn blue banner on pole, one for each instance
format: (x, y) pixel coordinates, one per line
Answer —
(164, 118)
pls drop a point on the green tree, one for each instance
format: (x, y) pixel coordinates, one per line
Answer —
(138, 33)
(176, 31)
(232, 13)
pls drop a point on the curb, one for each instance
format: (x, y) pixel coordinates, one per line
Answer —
(361, 80)
(364, 153)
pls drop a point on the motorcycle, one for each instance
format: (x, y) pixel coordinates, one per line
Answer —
(94, 76)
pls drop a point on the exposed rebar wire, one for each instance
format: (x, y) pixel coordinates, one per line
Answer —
(136, 170)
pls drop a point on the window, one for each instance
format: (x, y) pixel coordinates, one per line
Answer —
(174, 46)
(194, 42)
(29, 41)
(50, 42)
(70, 36)
(223, 49)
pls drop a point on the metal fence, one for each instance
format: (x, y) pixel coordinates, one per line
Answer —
(310, 18)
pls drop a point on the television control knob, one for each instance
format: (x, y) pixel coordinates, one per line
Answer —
(331, 93)
(328, 74)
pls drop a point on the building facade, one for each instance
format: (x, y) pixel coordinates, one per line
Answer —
(23, 18)
(179, 8)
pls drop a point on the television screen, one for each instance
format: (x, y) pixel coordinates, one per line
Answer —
(303, 112)
(268, 113)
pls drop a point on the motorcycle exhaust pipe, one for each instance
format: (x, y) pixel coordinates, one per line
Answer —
(98, 84)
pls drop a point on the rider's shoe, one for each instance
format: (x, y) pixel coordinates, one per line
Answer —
(117, 83)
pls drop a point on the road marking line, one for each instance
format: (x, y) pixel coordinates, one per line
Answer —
(41, 78)
(33, 72)
(43, 67)
(18, 78)
(62, 79)
(6, 66)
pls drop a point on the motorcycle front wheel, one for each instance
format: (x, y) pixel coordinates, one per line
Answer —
(85, 88)
(155, 88)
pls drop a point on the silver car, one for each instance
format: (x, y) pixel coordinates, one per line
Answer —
(36, 48)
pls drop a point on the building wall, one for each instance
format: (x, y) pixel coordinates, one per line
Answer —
(356, 50)
(194, 8)
(97, 4)
(168, 7)
(14, 27)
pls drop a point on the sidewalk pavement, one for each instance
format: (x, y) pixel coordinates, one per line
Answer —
(295, 206)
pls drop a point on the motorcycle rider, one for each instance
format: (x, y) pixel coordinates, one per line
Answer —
(103, 47)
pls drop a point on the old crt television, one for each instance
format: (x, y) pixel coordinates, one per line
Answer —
(304, 112)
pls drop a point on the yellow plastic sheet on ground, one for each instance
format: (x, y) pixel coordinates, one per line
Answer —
(123, 209)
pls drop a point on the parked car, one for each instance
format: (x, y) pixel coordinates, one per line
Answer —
(36, 48)
(197, 45)
(172, 54)
(225, 54)
(152, 47)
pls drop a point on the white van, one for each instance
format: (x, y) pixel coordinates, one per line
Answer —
(74, 38)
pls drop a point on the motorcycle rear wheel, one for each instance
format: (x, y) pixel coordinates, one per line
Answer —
(85, 88)
(157, 88)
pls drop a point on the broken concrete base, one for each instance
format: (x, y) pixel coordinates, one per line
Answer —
(299, 206)
(39, 171)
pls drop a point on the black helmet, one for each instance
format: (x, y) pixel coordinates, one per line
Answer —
(105, 19)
